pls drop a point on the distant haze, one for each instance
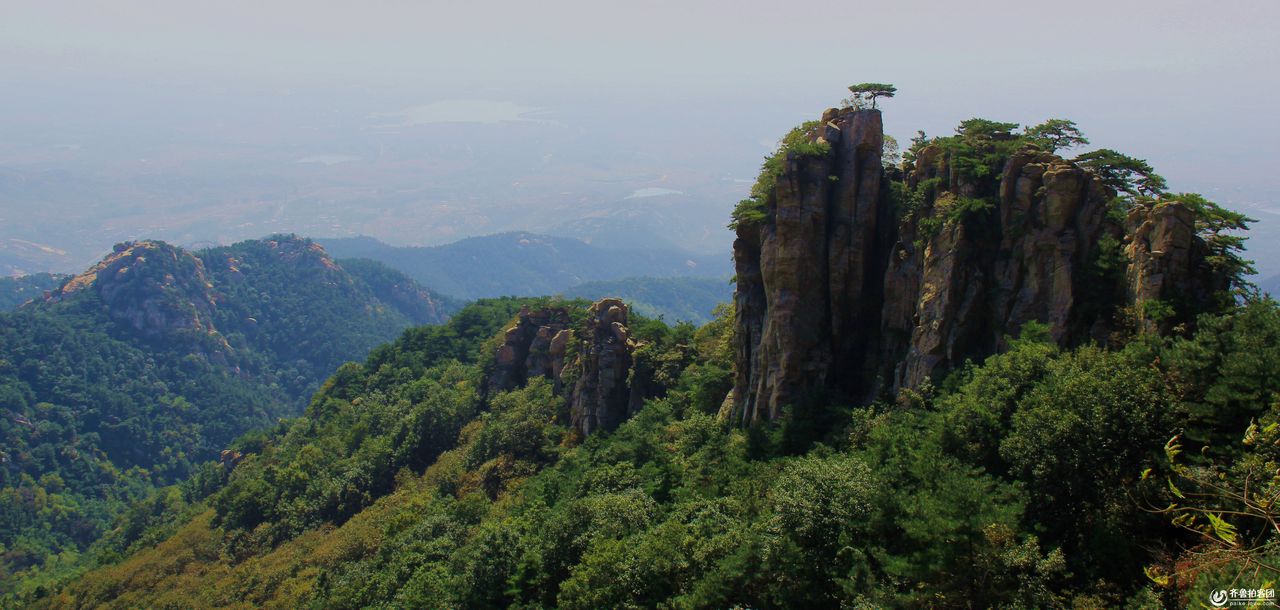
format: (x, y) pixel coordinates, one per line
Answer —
(422, 123)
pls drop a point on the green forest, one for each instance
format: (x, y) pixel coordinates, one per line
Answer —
(15, 291)
(402, 487)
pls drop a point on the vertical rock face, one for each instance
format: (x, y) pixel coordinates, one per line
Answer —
(807, 275)
(843, 288)
(601, 397)
(592, 366)
(534, 346)
(1024, 262)
(1168, 260)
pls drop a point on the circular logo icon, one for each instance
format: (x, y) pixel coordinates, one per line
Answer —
(1218, 598)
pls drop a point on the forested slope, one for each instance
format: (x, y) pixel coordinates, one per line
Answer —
(153, 361)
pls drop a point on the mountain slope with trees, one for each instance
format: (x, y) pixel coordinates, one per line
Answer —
(153, 361)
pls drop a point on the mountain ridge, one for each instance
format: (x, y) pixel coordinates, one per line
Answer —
(524, 264)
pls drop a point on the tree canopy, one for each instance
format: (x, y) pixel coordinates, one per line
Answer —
(869, 92)
(1055, 134)
(1123, 173)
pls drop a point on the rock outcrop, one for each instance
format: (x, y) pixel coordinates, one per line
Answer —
(1026, 262)
(845, 287)
(809, 275)
(591, 365)
(601, 397)
(153, 288)
(1168, 262)
(533, 347)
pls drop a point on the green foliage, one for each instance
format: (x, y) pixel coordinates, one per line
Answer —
(1224, 495)
(1105, 414)
(892, 155)
(295, 301)
(980, 148)
(952, 500)
(823, 503)
(98, 414)
(950, 210)
(918, 142)
(1055, 134)
(864, 93)
(799, 142)
(1226, 372)
(1123, 173)
(521, 432)
(107, 419)
(967, 207)
(1157, 310)
(1104, 287)
(977, 128)
(401, 409)
(1222, 231)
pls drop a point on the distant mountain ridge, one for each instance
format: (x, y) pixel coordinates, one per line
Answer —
(675, 299)
(1270, 285)
(525, 264)
(15, 291)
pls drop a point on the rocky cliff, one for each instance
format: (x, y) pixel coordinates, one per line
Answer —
(861, 281)
(602, 398)
(591, 362)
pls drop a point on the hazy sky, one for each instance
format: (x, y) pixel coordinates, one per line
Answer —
(1190, 86)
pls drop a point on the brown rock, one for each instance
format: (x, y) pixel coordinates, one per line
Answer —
(815, 259)
(601, 398)
(158, 291)
(601, 385)
(1166, 262)
(838, 290)
(529, 349)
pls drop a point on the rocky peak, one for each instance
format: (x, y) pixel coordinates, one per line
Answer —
(300, 251)
(297, 253)
(153, 288)
(854, 284)
(809, 274)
